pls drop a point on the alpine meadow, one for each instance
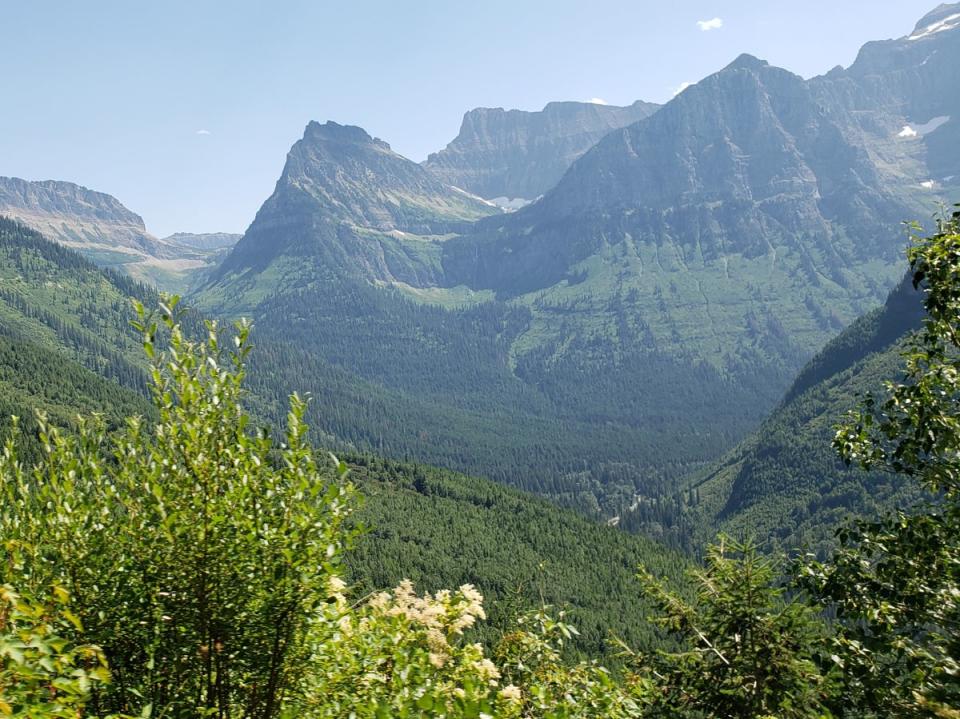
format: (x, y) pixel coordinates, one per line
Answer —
(626, 410)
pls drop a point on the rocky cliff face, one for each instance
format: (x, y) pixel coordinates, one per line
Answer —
(511, 154)
(747, 161)
(74, 215)
(346, 203)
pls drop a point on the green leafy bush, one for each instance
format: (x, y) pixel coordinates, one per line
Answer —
(895, 582)
(44, 672)
(197, 551)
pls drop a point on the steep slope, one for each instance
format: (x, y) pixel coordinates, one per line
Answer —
(441, 530)
(346, 204)
(506, 155)
(785, 484)
(62, 302)
(103, 230)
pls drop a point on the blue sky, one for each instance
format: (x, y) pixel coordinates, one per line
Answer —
(185, 110)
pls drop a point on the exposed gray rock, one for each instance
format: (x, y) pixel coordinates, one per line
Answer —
(519, 155)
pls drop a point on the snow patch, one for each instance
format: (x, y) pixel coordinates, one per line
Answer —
(511, 203)
(475, 197)
(948, 23)
(925, 128)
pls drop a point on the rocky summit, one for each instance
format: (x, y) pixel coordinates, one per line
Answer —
(347, 203)
(515, 156)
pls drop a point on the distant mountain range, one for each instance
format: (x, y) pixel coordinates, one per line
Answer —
(667, 289)
(514, 156)
(681, 264)
(102, 229)
(203, 241)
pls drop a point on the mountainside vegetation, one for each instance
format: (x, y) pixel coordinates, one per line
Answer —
(441, 529)
(783, 483)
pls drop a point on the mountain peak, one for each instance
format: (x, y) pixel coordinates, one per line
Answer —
(57, 195)
(748, 62)
(519, 154)
(331, 131)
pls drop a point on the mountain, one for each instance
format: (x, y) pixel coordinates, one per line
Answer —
(66, 348)
(347, 204)
(331, 269)
(659, 299)
(506, 155)
(739, 227)
(103, 230)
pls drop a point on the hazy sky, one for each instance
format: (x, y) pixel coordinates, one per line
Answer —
(185, 110)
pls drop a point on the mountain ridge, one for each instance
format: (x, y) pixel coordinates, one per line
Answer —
(103, 229)
(518, 154)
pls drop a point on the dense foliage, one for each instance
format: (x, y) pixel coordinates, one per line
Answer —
(44, 674)
(195, 557)
(749, 651)
(895, 582)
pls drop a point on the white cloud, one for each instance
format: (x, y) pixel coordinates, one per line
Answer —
(597, 101)
(683, 86)
(907, 131)
(708, 25)
(204, 132)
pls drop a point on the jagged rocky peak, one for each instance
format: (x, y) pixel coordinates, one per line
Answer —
(748, 62)
(728, 138)
(347, 203)
(355, 178)
(331, 131)
(515, 154)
